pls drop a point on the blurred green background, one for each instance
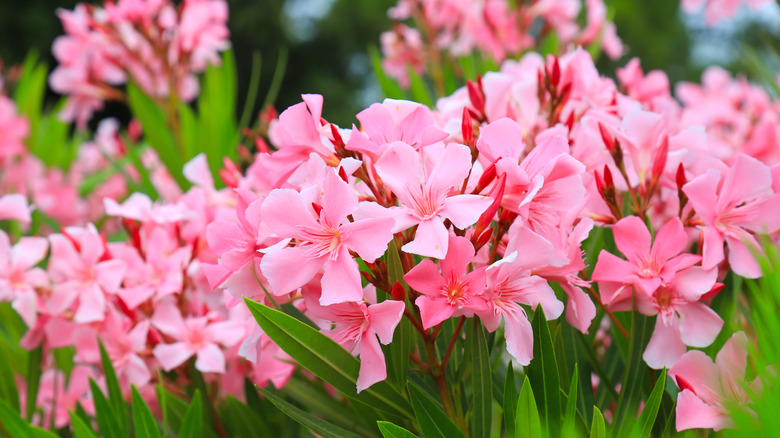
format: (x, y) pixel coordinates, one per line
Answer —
(327, 41)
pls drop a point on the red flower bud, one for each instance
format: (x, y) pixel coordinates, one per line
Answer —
(467, 128)
(475, 96)
(659, 164)
(398, 292)
(680, 177)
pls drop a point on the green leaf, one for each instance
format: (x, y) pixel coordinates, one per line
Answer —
(192, 423)
(527, 423)
(8, 391)
(481, 382)
(389, 87)
(316, 425)
(276, 81)
(644, 424)
(510, 401)
(173, 408)
(326, 359)
(39, 432)
(115, 398)
(570, 414)
(80, 428)
(543, 373)
(434, 423)
(598, 429)
(143, 421)
(241, 421)
(315, 399)
(635, 375)
(390, 430)
(13, 423)
(108, 421)
(419, 90)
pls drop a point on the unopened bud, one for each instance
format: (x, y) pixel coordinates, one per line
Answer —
(659, 164)
(467, 128)
(337, 141)
(398, 292)
(475, 96)
(229, 178)
(607, 138)
(343, 175)
(484, 238)
(680, 177)
(555, 75)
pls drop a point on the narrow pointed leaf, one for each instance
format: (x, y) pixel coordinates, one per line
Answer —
(192, 423)
(434, 423)
(390, 430)
(543, 372)
(481, 382)
(143, 420)
(570, 414)
(635, 375)
(241, 421)
(326, 359)
(13, 423)
(510, 401)
(80, 428)
(108, 422)
(320, 427)
(598, 429)
(115, 398)
(644, 424)
(34, 360)
(527, 423)
(316, 400)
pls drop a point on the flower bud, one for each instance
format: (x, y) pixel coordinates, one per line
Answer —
(398, 292)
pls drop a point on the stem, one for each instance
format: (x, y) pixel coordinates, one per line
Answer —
(452, 341)
(608, 312)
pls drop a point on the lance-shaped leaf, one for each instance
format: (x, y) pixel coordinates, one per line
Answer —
(13, 423)
(320, 427)
(598, 429)
(433, 421)
(527, 423)
(390, 430)
(115, 398)
(80, 428)
(635, 374)
(108, 421)
(326, 359)
(543, 372)
(510, 401)
(192, 424)
(481, 382)
(644, 424)
(143, 421)
(570, 413)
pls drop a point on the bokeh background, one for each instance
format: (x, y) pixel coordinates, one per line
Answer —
(326, 42)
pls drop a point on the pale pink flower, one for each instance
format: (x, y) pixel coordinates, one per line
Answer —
(194, 336)
(707, 388)
(448, 289)
(54, 394)
(733, 205)
(14, 207)
(19, 277)
(14, 129)
(325, 238)
(359, 328)
(426, 194)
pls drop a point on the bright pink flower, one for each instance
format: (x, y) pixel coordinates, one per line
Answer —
(53, 394)
(19, 277)
(733, 205)
(425, 194)
(325, 238)
(645, 268)
(82, 273)
(510, 283)
(402, 48)
(140, 207)
(448, 290)
(273, 365)
(359, 328)
(14, 207)
(201, 34)
(194, 336)
(14, 129)
(707, 388)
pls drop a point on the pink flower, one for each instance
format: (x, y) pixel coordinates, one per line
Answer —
(19, 277)
(646, 268)
(510, 283)
(14, 207)
(707, 388)
(194, 336)
(14, 129)
(448, 290)
(359, 328)
(80, 272)
(425, 194)
(325, 238)
(733, 206)
(53, 394)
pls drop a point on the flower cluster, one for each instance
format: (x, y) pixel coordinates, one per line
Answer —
(152, 43)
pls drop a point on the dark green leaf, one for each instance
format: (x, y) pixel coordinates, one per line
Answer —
(635, 375)
(598, 429)
(644, 424)
(481, 382)
(80, 428)
(434, 423)
(543, 373)
(510, 401)
(316, 400)
(173, 408)
(326, 359)
(316, 425)
(192, 423)
(570, 414)
(13, 423)
(143, 421)
(8, 391)
(108, 421)
(390, 430)
(527, 423)
(115, 399)
(241, 421)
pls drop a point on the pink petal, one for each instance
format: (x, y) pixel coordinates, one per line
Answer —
(692, 413)
(746, 179)
(14, 207)
(731, 360)
(694, 282)
(338, 199)
(460, 253)
(227, 333)
(26, 305)
(430, 239)
(433, 311)
(137, 372)
(699, 325)
(670, 240)
(702, 193)
(425, 278)
(373, 368)
(741, 256)
(464, 210)
(399, 168)
(29, 251)
(632, 238)
(92, 305)
(665, 347)
(210, 359)
(285, 213)
(384, 317)
(699, 371)
(712, 252)
(172, 355)
(369, 237)
(167, 319)
(134, 296)
(290, 268)
(341, 280)
(519, 336)
(580, 309)
(109, 274)
(451, 168)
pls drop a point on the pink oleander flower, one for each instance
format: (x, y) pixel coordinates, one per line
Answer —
(402, 48)
(14, 207)
(19, 278)
(510, 283)
(645, 268)
(82, 273)
(734, 205)
(426, 194)
(54, 394)
(194, 336)
(707, 388)
(14, 129)
(449, 289)
(359, 327)
(324, 238)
